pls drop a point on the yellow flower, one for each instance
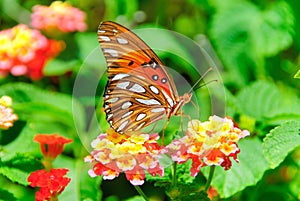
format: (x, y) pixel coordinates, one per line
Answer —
(115, 137)
(5, 101)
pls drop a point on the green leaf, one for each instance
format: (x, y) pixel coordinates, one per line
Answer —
(185, 193)
(277, 28)
(5, 195)
(297, 75)
(264, 101)
(15, 175)
(86, 42)
(22, 161)
(247, 172)
(123, 8)
(33, 104)
(281, 141)
(57, 67)
(195, 196)
(240, 25)
(136, 198)
(184, 174)
(18, 167)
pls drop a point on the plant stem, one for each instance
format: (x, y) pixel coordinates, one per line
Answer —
(141, 192)
(211, 174)
(174, 177)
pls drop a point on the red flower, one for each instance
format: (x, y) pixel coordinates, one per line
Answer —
(51, 183)
(51, 145)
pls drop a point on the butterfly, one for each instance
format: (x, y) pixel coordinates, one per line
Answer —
(139, 90)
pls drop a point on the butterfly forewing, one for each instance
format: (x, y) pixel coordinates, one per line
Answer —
(139, 90)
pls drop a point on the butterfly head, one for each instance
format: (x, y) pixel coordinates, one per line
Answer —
(181, 101)
(186, 98)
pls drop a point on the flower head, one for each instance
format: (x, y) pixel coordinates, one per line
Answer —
(59, 16)
(114, 153)
(51, 145)
(7, 117)
(51, 183)
(24, 51)
(212, 142)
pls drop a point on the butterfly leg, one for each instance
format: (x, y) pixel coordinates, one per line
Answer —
(163, 132)
(181, 120)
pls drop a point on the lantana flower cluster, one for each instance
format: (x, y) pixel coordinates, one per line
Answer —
(7, 116)
(114, 153)
(59, 16)
(24, 51)
(208, 143)
(51, 181)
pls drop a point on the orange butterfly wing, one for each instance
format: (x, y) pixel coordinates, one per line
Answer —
(139, 91)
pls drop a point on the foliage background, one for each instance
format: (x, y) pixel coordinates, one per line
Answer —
(256, 42)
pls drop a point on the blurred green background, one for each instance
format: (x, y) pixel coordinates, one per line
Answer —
(254, 45)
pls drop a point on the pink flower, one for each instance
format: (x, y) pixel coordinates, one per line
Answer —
(114, 153)
(59, 16)
(212, 142)
(24, 51)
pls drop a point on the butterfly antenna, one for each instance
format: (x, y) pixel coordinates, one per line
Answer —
(202, 85)
(200, 79)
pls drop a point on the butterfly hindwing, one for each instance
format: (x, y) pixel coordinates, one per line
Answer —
(131, 103)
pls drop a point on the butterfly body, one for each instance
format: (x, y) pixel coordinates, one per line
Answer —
(139, 90)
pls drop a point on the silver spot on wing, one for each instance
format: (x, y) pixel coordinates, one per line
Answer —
(112, 52)
(112, 100)
(137, 88)
(127, 114)
(122, 126)
(120, 76)
(104, 38)
(122, 41)
(160, 109)
(154, 89)
(122, 85)
(126, 105)
(140, 116)
(148, 102)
